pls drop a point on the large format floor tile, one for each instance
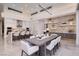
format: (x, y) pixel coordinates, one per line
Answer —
(67, 48)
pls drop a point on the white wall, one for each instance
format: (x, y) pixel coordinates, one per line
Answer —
(0, 28)
(38, 27)
(77, 27)
(9, 22)
(30, 25)
(26, 24)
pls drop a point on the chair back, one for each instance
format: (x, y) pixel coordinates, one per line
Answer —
(25, 45)
(53, 34)
(54, 42)
(31, 37)
(22, 33)
(59, 38)
(51, 45)
(16, 33)
(27, 33)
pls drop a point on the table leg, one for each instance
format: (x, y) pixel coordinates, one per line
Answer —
(42, 50)
(45, 49)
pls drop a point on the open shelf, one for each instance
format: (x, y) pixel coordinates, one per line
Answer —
(63, 24)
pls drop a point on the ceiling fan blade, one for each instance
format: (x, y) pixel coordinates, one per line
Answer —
(41, 6)
(49, 12)
(34, 13)
(45, 9)
(49, 7)
(42, 10)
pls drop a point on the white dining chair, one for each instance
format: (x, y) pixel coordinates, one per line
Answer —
(22, 33)
(51, 47)
(16, 35)
(31, 37)
(53, 34)
(28, 49)
(58, 40)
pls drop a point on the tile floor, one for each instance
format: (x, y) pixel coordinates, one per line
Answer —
(67, 48)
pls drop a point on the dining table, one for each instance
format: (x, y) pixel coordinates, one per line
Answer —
(42, 42)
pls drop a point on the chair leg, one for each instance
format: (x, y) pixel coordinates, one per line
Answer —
(38, 53)
(52, 52)
(59, 44)
(26, 53)
(22, 53)
(49, 52)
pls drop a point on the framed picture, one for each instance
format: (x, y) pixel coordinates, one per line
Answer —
(19, 23)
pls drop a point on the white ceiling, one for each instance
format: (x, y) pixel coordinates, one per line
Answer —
(56, 10)
(33, 7)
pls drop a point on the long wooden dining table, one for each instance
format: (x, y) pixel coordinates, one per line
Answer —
(42, 43)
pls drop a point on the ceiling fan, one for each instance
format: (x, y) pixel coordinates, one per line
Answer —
(45, 9)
